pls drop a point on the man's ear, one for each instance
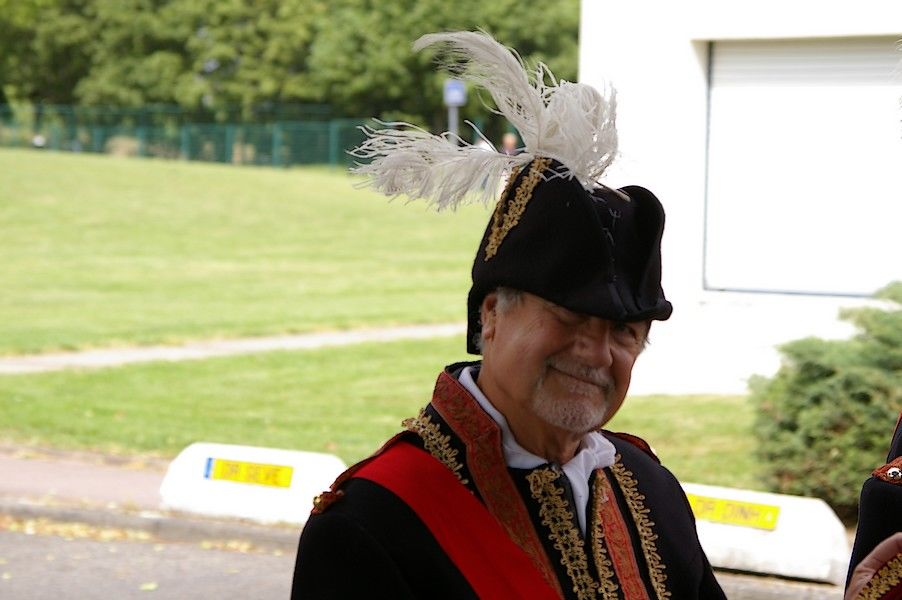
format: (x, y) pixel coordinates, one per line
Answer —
(488, 314)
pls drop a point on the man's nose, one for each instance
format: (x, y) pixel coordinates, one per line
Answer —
(594, 343)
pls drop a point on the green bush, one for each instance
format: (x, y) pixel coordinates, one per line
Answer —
(824, 421)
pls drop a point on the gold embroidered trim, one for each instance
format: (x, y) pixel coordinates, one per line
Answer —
(485, 462)
(884, 580)
(644, 525)
(503, 221)
(603, 563)
(436, 444)
(556, 515)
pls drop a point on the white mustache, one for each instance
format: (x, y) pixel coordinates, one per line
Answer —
(595, 376)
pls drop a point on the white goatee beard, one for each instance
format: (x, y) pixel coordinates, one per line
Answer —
(576, 412)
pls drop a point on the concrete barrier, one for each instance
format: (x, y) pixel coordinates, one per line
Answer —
(262, 484)
(776, 534)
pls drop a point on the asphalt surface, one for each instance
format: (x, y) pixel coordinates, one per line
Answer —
(90, 526)
(39, 566)
(85, 526)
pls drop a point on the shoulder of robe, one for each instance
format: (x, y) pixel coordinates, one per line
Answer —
(891, 472)
(635, 440)
(322, 502)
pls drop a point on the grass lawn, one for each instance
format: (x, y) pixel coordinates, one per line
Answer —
(105, 251)
(702, 439)
(344, 401)
(101, 251)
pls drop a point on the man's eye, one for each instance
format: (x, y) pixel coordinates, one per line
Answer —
(565, 316)
(626, 329)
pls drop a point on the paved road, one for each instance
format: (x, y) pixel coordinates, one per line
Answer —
(51, 566)
(749, 587)
(44, 567)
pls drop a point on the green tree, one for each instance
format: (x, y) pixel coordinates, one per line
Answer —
(362, 61)
(222, 55)
(43, 49)
(206, 54)
(136, 53)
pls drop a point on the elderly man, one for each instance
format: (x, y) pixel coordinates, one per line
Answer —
(505, 485)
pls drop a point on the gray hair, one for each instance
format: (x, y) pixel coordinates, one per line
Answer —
(507, 298)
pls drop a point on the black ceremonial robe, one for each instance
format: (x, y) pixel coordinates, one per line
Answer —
(880, 516)
(641, 543)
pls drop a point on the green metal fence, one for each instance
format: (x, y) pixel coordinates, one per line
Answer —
(169, 133)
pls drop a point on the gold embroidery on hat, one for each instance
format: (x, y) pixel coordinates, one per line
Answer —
(603, 563)
(436, 444)
(503, 221)
(556, 516)
(886, 578)
(647, 536)
(492, 246)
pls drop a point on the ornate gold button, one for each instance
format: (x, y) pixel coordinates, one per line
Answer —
(325, 500)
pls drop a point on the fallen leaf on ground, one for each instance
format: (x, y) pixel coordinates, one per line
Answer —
(70, 530)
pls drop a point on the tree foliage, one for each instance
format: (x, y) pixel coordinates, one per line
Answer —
(216, 55)
(364, 63)
(44, 49)
(824, 421)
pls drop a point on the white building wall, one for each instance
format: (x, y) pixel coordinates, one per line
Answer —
(654, 52)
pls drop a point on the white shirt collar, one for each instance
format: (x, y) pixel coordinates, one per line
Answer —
(595, 451)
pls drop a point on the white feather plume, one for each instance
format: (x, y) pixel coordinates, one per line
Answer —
(410, 161)
(570, 122)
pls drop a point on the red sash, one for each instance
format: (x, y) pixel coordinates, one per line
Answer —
(491, 562)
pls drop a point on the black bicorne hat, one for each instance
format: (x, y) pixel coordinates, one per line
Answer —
(556, 231)
(596, 253)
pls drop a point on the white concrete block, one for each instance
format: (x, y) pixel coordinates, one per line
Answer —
(263, 484)
(759, 532)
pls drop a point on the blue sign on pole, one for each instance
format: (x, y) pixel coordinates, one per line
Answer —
(455, 92)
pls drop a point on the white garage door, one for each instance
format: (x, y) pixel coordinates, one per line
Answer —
(805, 166)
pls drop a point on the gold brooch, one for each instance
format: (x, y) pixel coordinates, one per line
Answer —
(325, 500)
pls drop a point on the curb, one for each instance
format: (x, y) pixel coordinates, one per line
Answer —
(168, 526)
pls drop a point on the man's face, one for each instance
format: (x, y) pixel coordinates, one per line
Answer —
(569, 370)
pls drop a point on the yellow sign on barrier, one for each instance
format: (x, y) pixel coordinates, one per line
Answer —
(734, 512)
(246, 472)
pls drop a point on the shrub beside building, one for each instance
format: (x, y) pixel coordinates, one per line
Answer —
(824, 421)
